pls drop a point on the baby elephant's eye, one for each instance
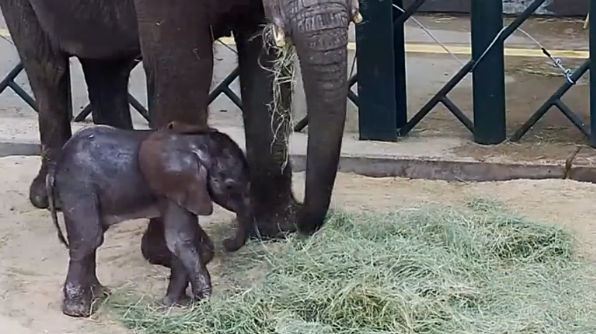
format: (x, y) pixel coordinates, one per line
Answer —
(230, 184)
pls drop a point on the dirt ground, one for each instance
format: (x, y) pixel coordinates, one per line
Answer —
(33, 263)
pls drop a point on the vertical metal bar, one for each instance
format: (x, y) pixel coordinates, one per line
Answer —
(488, 77)
(376, 71)
(593, 72)
(67, 77)
(399, 49)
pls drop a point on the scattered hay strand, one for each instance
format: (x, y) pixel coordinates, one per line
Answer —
(420, 270)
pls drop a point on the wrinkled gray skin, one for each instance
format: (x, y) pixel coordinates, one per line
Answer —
(100, 180)
(175, 39)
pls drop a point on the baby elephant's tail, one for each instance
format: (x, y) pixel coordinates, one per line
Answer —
(50, 178)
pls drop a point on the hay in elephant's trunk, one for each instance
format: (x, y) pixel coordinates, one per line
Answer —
(420, 270)
(284, 74)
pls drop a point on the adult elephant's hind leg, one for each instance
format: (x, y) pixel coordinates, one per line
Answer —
(46, 69)
(267, 135)
(107, 81)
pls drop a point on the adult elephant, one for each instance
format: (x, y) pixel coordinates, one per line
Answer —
(175, 39)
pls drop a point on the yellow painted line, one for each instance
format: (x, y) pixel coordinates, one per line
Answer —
(509, 52)
(437, 49)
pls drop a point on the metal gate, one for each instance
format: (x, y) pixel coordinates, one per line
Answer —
(9, 82)
(381, 77)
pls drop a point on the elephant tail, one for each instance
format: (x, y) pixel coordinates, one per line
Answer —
(50, 180)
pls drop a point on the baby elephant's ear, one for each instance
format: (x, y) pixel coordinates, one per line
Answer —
(177, 175)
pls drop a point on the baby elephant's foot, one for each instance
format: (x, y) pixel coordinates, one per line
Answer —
(204, 292)
(179, 300)
(77, 301)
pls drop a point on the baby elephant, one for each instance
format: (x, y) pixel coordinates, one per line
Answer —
(106, 175)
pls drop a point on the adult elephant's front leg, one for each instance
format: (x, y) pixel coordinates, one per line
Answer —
(267, 135)
(176, 44)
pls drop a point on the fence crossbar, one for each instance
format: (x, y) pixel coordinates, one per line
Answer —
(8, 82)
(467, 68)
(555, 100)
(301, 124)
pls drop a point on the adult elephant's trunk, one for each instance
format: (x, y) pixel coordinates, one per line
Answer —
(319, 31)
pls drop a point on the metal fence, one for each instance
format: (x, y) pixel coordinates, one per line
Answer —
(382, 98)
(381, 77)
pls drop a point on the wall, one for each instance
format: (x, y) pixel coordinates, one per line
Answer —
(550, 7)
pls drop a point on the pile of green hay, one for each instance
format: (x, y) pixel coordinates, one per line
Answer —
(420, 270)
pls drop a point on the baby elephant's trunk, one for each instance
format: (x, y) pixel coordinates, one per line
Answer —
(50, 180)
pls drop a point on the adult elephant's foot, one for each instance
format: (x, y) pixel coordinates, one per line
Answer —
(38, 194)
(277, 222)
(99, 291)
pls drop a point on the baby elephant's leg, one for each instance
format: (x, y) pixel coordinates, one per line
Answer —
(244, 225)
(176, 292)
(85, 235)
(179, 280)
(155, 250)
(180, 227)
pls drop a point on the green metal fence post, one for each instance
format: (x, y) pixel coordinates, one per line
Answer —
(399, 49)
(593, 72)
(488, 77)
(376, 72)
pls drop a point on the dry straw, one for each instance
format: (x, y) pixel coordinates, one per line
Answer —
(422, 270)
